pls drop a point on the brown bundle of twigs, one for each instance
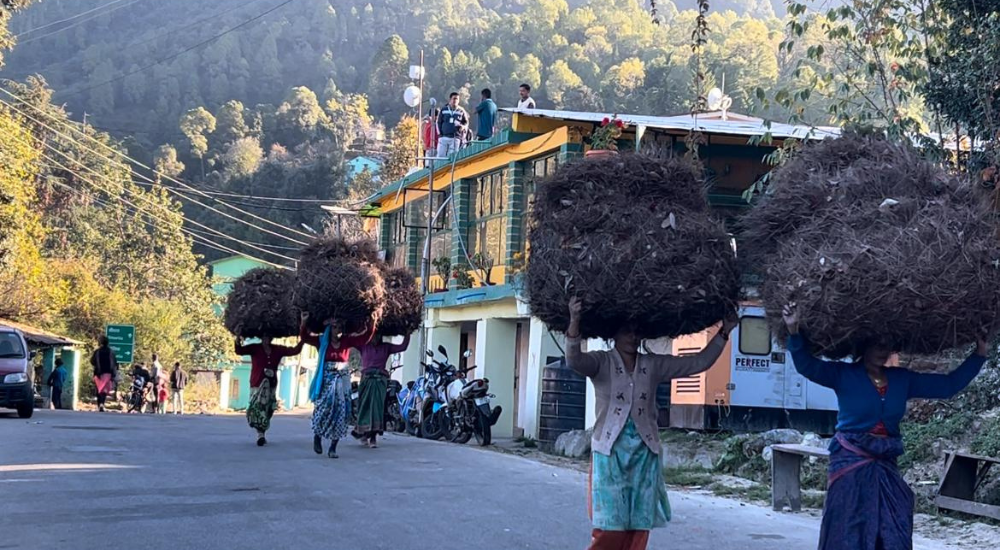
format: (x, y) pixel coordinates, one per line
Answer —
(260, 305)
(404, 306)
(875, 244)
(633, 237)
(340, 280)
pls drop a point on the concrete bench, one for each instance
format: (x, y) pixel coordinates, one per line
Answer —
(786, 470)
(963, 474)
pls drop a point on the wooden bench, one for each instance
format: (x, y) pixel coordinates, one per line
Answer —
(786, 470)
(963, 474)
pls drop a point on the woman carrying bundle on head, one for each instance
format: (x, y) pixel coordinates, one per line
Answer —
(628, 496)
(265, 358)
(868, 505)
(331, 388)
(374, 385)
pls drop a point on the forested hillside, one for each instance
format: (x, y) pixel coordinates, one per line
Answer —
(592, 54)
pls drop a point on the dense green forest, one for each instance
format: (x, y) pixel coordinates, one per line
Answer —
(586, 54)
(275, 106)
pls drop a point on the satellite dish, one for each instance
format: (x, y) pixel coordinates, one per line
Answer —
(411, 96)
(715, 98)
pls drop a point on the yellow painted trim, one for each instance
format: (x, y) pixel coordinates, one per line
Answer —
(483, 164)
(503, 309)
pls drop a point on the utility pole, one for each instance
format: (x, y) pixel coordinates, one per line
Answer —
(420, 106)
(425, 263)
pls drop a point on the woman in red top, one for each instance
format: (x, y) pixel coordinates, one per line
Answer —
(332, 399)
(264, 360)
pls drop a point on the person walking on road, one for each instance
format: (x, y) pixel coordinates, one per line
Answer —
(331, 387)
(524, 100)
(105, 367)
(178, 379)
(374, 385)
(487, 116)
(628, 496)
(265, 358)
(452, 124)
(57, 378)
(868, 505)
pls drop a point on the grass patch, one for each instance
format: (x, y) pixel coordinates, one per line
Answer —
(987, 441)
(687, 477)
(527, 442)
(760, 493)
(917, 438)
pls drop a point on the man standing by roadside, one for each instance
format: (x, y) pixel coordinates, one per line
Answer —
(57, 378)
(487, 111)
(452, 123)
(525, 102)
(178, 379)
(155, 373)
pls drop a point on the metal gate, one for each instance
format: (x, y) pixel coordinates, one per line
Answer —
(564, 400)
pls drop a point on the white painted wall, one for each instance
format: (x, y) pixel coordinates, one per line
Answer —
(540, 346)
(495, 350)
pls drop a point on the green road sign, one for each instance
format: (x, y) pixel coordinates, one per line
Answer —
(122, 341)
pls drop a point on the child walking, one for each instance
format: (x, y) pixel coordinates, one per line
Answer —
(628, 496)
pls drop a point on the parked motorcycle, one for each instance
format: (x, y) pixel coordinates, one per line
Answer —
(433, 417)
(409, 412)
(469, 411)
(393, 415)
(137, 394)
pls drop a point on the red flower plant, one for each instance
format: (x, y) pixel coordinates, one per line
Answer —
(606, 121)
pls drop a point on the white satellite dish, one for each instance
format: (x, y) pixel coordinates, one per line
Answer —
(411, 96)
(715, 97)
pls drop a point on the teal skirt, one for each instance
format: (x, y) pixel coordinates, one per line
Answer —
(627, 491)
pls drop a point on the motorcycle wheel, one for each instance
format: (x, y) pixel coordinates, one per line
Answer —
(412, 427)
(395, 419)
(484, 432)
(431, 427)
(459, 435)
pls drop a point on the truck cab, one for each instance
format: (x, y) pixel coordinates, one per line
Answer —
(16, 390)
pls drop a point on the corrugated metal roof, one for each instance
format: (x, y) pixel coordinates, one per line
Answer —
(39, 337)
(711, 123)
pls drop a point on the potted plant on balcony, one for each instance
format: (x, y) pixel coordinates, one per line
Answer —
(462, 278)
(604, 139)
(484, 265)
(442, 266)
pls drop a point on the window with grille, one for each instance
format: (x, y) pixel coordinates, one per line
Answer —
(488, 234)
(755, 336)
(395, 253)
(540, 168)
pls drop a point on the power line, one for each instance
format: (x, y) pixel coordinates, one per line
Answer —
(182, 52)
(138, 174)
(194, 237)
(111, 193)
(47, 25)
(77, 24)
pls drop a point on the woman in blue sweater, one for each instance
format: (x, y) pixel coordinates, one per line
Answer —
(868, 504)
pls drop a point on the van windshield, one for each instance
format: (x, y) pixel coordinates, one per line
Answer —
(10, 346)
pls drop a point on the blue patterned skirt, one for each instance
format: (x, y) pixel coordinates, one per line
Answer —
(332, 411)
(627, 488)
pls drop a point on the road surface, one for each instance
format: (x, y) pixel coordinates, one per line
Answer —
(89, 481)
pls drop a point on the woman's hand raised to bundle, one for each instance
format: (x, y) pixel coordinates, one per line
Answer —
(575, 309)
(982, 342)
(790, 313)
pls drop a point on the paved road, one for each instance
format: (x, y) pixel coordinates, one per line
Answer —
(86, 481)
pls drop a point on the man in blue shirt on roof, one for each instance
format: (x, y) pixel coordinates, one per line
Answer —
(487, 111)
